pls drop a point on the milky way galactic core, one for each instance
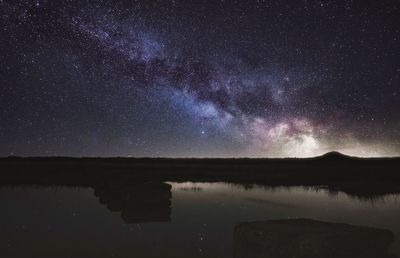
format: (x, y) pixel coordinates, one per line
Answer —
(199, 78)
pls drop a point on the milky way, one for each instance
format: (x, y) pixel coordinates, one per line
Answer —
(200, 78)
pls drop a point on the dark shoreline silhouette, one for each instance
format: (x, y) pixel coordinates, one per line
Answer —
(362, 177)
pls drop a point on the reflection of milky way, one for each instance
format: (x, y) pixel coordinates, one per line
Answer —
(176, 79)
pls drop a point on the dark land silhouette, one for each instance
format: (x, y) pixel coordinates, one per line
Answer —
(362, 177)
(310, 238)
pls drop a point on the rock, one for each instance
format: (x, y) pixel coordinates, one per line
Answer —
(303, 238)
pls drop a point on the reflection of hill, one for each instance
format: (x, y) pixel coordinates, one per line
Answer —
(137, 202)
(309, 238)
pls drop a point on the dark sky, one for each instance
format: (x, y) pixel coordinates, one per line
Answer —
(199, 78)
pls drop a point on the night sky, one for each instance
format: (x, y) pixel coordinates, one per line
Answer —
(199, 78)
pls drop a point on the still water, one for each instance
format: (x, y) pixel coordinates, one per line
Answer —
(167, 219)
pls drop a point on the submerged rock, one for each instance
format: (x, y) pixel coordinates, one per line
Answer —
(303, 238)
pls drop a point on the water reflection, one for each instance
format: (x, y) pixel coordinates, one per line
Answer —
(137, 202)
(206, 220)
(375, 192)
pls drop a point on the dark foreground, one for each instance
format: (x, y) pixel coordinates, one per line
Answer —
(331, 206)
(311, 239)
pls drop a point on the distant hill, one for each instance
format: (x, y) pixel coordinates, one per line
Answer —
(334, 154)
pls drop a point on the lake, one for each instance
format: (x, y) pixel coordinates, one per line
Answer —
(169, 219)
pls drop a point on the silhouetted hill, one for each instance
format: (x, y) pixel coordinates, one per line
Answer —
(335, 155)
